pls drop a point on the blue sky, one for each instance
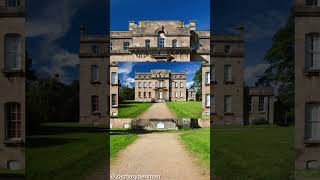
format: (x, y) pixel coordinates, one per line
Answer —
(127, 70)
(53, 26)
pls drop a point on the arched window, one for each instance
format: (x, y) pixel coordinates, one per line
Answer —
(161, 39)
(174, 43)
(13, 120)
(147, 43)
(13, 52)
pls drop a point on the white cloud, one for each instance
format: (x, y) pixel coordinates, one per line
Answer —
(262, 25)
(253, 72)
(126, 68)
(53, 24)
(129, 82)
(189, 84)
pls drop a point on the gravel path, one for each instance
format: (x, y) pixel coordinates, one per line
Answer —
(158, 111)
(158, 154)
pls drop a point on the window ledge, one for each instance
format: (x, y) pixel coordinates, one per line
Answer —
(207, 84)
(97, 113)
(14, 142)
(312, 72)
(95, 82)
(228, 82)
(11, 73)
(214, 82)
(228, 114)
(115, 106)
(114, 84)
(312, 142)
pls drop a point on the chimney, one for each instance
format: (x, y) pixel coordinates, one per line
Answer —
(131, 25)
(193, 25)
(82, 29)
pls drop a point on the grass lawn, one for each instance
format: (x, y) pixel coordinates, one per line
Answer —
(119, 142)
(255, 152)
(198, 142)
(132, 109)
(70, 151)
(11, 173)
(186, 109)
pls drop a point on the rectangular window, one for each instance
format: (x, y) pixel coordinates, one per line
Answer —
(213, 73)
(94, 73)
(150, 85)
(94, 104)
(114, 79)
(139, 84)
(149, 94)
(160, 84)
(147, 43)
(145, 85)
(126, 46)
(250, 104)
(13, 52)
(176, 84)
(227, 73)
(261, 104)
(176, 94)
(144, 94)
(207, 100)
(181, 95)
(227, 104)
(13, 3)
(13, 120)
(139, 94)
(212, 105)
(313, 51)
(207, 77)
(312, 2)
(114, 100)
(312, 131)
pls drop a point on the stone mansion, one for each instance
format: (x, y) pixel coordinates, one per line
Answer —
(160, 85)
(224, 95)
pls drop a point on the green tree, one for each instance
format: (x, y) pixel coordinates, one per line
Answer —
(126, 93)
(198, 83)
(281, 70)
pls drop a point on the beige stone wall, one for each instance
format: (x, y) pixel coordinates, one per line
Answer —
(119, 123)
(307, 20)
(12, 88)
(205, 90)
(235, 87)
(169, 90)
(256, 114)
(114, 90)
(89, 88)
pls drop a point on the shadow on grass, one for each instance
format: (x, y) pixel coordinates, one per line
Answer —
(132, 131)
(55, 130)
(40, 142)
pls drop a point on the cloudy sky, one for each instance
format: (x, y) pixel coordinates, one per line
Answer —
(53, 26)
(127, 70)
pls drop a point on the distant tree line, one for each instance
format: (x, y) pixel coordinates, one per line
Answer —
(49, 100)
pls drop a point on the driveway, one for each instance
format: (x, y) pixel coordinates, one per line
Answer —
(159, 155)
(157, 111)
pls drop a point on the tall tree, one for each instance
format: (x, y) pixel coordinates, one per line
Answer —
(198, 83)
(281, 70)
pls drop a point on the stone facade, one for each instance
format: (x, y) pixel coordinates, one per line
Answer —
(160, 85)
(12, 88)
(307, 83)
(227, 79)
(260, 105)
(191, 94)
(94, 79)
(154, 41)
